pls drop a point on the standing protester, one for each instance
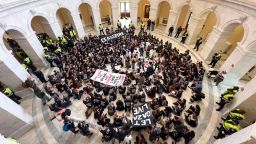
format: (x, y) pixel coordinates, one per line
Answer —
(40, 75)
(216, 57)
(101, 28)
(142, 27)
(184, 36)
(148, 24)
(171, 30)
(199, 41)
(119, 25)
(179, 29)
(153, 25)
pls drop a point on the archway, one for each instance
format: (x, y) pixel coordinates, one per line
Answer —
(86, 16)
(143, 10)
(228, 40)
(208, 24)
(105, 11)
(41, 25)
(64, 17)
(163, 15)
(20, 48)
(184, 17)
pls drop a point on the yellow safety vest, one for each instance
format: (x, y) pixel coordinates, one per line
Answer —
(229, 126)
(58, 50)
(142, 25)
(12, 140)
(72, 33)
(233, 114)
(8, 92)
(47, 56)
(27, 60)
(24, 66)
(131, 25)
(227, 96)
(63, 40)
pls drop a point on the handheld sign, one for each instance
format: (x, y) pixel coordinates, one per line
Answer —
(142, 116)
(112, 36)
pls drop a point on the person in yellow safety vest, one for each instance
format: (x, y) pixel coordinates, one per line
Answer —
(8, 92)
(227, 128)
(131, 25)
(142, 27)
(234, 89)
(48, 57)
(72, 34)
(225, 99)
(119, 25)
(29, 63)
(63, 41)
(49, 42)
(24, 66)
(236, 114)
(14, 141)
(58, 50)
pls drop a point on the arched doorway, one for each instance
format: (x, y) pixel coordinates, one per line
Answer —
(41, 25)
(228, 40)
(86, 16)
(143, 10)
(21, 49)
(64, 17)
(105, 12)
(208, 24)
(184, 16)
(163, 15)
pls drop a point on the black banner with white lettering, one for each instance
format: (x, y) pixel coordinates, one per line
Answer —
(142, 116)
(112, 36)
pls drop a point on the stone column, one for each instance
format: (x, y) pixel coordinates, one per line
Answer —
(56, 28)
(172, 20)
(115, 16)
(194, 27)
(237, 65)
(11, 72)
(134, 14)
(78, 25)
(153, 13)
(96, 18)
(34, 49)
(14, 121)
(208, 48)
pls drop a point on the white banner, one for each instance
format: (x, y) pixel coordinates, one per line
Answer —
(108, 78)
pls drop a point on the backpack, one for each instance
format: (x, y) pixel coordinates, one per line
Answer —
(66, 127)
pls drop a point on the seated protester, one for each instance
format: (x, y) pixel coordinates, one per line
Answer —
(88, 101)
(147, 82)
(154, 134)
(132, 89)
(127, 81)
(194, 110)
(69, 126)
(78, 95)
(103, 103)
(176, 120)
(164, 134)
(128, 103)
(111, 109)
(151, 92)
(177, 109)
(196, 86)
(106, 90)
(180, 102)
(117, 121)
(197, 96)
(103, 120)
(168, 123)
(97, 112)
(112, 96)
(122, 90)
(188, 136)
(120, 105)
(163, 101)
(157, 115)
(121, 133)
(177, 132)
(150, 69)
(84, 129)
(142, 97)
(107, 134)
(167, 111)
(96, 99)
(191, 120)
(154, 104)
(61, 103)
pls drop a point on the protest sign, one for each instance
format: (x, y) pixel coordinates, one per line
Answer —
(142, 116)
(108, 78)
(112, 36)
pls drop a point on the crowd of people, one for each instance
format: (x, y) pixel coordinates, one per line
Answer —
(154, 71)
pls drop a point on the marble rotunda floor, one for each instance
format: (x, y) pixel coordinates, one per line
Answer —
(50, 132)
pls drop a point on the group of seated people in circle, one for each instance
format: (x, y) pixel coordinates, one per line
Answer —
(154, 71)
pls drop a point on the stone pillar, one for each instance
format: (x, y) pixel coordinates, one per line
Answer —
(153, 13)
(78, 25)
(115, 16)
(208, 48)
(56, 29)
(237, 65)
(96, 18)
(172, 20)
(11, 72)
(34, 49)
(14, 121)
(134, 14)
(194, 27)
